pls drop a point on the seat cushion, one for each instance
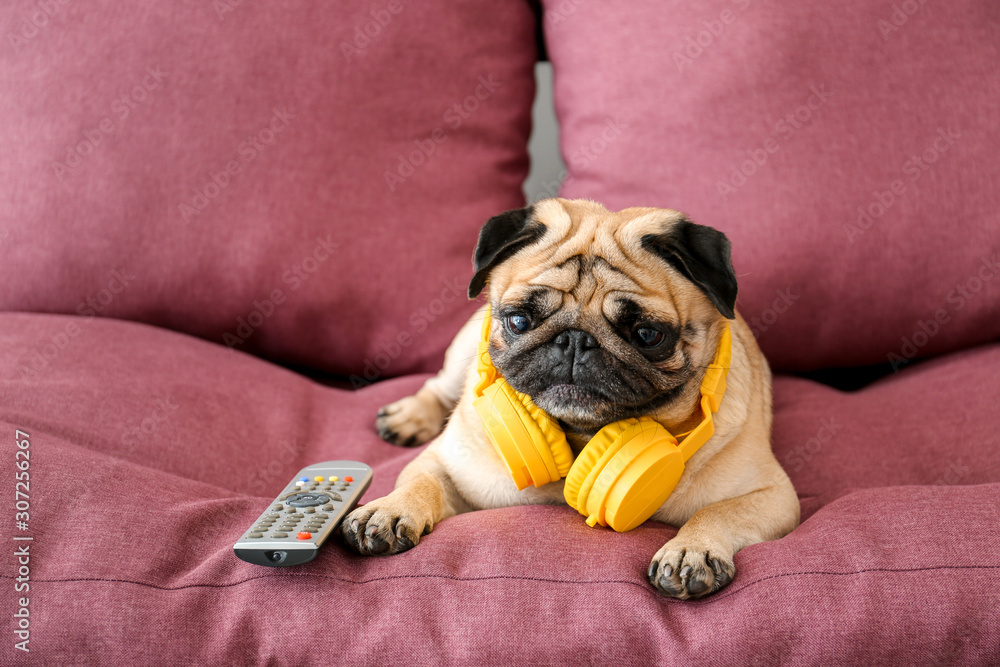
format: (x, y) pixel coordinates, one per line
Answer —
(849, 150)
(301, 182)
(151, 451)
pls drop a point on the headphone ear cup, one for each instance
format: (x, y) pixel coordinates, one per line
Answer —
(633, 469)
(529, 442)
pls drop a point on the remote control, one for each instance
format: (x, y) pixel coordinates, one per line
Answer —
(300, 519)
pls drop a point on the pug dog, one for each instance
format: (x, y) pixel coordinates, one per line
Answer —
(597, 316)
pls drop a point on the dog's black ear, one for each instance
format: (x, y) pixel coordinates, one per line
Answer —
(501, 237)
(702, 254)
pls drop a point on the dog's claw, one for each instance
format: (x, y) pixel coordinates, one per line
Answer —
(687, 572)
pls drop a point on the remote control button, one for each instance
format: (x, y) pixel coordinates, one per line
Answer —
(307, 499)
(279, 536)
(296, 515)
(273, 516)
(334, 479)
(348, 479)
(342, 487)
(322, 516)
(318, 478)
(335, 497)
(255, 536)
(303, 536)
(278, 507)
(328, 508)
(300, 483)
(303, 479)
(309, 510)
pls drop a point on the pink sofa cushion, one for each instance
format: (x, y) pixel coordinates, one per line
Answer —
(151, 451)
(305, 182)
(850, 152)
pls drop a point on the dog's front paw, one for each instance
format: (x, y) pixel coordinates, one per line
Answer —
(382, 528)
(687, 571)
(412, 420)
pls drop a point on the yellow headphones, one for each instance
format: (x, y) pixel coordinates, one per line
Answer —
(626, 471)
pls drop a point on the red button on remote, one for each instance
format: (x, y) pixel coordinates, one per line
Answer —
(348, 479)
(304, 536)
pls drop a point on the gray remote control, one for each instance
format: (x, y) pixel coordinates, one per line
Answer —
(300, 519)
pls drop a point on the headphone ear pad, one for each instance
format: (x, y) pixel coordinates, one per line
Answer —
(555, 437)
(529, 442)
(604, 439)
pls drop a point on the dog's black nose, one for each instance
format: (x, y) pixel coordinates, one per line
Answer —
(574, 341)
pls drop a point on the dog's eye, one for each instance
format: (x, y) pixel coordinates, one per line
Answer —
(648, 337)
(518, 323)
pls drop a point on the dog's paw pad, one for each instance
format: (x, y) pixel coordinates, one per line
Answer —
(377, 529)
(687, 572)
(410, 421)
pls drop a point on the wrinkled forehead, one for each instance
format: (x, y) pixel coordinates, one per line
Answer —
(590, 258)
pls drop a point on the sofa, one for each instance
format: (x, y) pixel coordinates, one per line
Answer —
(232, 231)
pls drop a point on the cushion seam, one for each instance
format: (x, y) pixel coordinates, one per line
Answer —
(642, 586)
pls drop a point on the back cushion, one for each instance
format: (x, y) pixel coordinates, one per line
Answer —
(851, 151)
(304, 181)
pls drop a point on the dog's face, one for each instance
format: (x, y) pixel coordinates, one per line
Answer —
(600, 315)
